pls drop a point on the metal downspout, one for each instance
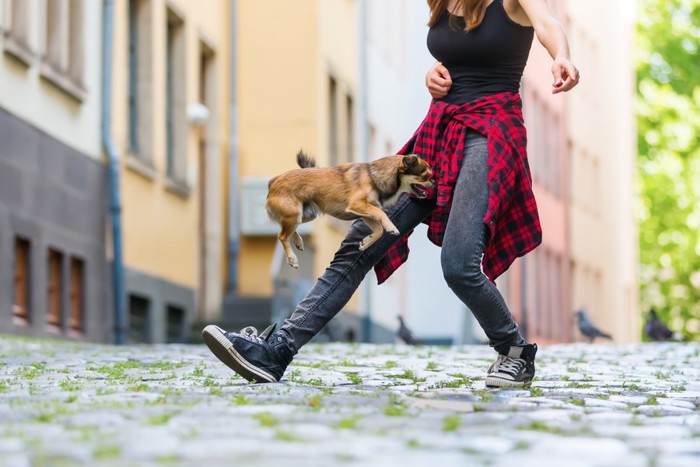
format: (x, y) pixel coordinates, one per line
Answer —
(362, 142)
(113, 174)
(233, 237)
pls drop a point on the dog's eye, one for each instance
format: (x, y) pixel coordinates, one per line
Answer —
(425, 177)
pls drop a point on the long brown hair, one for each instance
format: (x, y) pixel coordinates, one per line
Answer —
(472, 10)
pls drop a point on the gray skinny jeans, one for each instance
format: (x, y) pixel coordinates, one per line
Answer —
(462, 250)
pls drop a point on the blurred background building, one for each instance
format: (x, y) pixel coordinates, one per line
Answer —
(582, 152)
(53, 273)
(211, 99)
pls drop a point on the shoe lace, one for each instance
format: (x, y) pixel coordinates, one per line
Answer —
(251, 333)
(509, 365)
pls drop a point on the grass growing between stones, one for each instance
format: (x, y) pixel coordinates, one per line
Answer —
(354, 378)
(266, 419)
(349, 423)
(451, 423)
(357, 391)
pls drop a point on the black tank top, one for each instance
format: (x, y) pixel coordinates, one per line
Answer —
(489, 59)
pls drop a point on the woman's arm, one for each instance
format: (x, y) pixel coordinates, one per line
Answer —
(552, 36)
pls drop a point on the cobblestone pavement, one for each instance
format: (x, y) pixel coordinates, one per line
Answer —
(64, 403)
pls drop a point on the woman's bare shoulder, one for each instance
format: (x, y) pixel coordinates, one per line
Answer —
(516, 13)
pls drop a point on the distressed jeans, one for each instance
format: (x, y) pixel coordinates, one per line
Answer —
(462, 251)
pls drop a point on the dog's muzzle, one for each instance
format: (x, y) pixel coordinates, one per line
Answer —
(421, 191)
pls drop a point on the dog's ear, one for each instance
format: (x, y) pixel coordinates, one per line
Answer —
(408, 163)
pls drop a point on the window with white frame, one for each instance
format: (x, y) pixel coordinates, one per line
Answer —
(17, 27)
(175, 112)
(62, 61)
(140, 86)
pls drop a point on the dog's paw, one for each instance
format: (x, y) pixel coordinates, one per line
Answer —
(366, 242)
(393, 231)
(293, 262)
(299, 243)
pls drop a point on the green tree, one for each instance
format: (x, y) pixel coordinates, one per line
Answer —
(668, 105)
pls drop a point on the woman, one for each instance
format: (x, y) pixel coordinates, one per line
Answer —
(482, 211)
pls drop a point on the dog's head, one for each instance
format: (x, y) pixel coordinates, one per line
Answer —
(417, 174)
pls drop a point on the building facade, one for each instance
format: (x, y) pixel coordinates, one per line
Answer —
(207, 107)
(538, 286)
(170, 98)
(582, 152)
(602, 144)
(295, 89)
(53, 278)
(170, 122)
(397, 101)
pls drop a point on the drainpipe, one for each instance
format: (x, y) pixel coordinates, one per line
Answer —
(233, 237)
(113, 174)
(362, 142)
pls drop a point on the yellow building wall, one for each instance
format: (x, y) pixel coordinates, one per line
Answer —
(277, 91)
(283, 72)
(160, 228)
(337, 56)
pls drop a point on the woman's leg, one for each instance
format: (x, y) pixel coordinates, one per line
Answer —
(345, 273)
(462, 251)
(463, 247)
(265, 357)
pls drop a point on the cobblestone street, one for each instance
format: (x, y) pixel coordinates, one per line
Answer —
(64, 403)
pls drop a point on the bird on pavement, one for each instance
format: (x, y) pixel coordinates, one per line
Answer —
(587, 328)
(656, 330)
(405, 334)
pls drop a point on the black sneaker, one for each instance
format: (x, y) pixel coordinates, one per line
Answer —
(516, 369)
(249, 354)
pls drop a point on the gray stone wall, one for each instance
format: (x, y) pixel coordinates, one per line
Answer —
(158, 311)
(55, 197)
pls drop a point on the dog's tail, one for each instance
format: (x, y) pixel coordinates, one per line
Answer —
(304, 160)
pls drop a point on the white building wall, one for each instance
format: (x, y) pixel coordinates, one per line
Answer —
(603, 232)
(397, 102)
(29, 96)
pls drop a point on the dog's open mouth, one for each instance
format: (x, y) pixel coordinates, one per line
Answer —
(419, 190)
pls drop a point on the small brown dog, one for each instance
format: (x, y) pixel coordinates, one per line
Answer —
(349, 191)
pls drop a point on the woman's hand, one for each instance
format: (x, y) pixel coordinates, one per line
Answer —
(438, 80)
(566, 75)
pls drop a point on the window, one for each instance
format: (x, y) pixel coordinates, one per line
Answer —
(140, 86)
(333, 120)
(17, 30)
(64, 49)
(139, 314)
(350, 128)
(20, 307)
(207, 170)
(341, 124)
(175, 325)
(77, 294)
(176, 129)
(133, 77)
(54, 288)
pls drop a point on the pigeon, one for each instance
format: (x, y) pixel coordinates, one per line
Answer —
(406, 334)
(656, 330)
(587, 328)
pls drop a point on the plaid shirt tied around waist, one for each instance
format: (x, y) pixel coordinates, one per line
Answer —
(512, 218)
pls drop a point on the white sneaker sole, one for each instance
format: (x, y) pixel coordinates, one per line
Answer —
(493, 382)
(223, 349)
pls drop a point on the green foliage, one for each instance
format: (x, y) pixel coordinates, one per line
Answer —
(668, 110)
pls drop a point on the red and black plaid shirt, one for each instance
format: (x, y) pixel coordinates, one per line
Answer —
(512, 212)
